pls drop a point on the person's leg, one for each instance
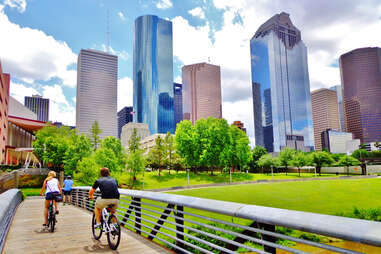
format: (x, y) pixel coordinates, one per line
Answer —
(97, 213)
(69, 197)
(46, 208)
(99, 205)
(55, 206)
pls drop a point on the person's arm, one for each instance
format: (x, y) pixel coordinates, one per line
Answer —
(43, 188)
(93, 189)
(59, 187)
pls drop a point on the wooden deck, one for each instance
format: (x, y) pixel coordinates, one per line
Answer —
(72, 234)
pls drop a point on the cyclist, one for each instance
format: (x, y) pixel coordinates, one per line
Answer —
(109, 194)
(52, 187)
(68, 183)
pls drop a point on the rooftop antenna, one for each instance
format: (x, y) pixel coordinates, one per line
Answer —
(108, 32)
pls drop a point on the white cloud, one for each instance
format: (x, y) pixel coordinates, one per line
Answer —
(124, 92)
(30, 54)
(178, 79)
(19, 91)
(197, 12)
(20, 5)
(121, 54)
(121, 15)
(164, 4)
(59, 108)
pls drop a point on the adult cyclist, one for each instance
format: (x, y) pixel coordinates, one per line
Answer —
(109, 194)
(52, 188)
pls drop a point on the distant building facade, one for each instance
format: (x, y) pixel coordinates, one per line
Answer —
(340, 105)
(201, 91)
(325, 113)
(280, 85)
(153, 74)
(336, 141)
(240, 125)
(4, 107)
(97, 77)
(125, 116)
(178, 102)
(18, 109)
(361, 80)
(142, 131)
(149, 142)
(38, 105)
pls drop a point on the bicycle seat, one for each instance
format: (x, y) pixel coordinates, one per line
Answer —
(109, 208)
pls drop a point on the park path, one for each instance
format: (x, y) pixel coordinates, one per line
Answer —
(72, 234)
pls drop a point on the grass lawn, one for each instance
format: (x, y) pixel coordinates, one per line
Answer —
(166, 180)
(31, 191)
(327, 197)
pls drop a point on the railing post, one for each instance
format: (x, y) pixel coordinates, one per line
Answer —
(179, 228)
(138, 215)
(270, 228)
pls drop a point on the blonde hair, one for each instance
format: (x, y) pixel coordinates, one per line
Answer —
(51, 175)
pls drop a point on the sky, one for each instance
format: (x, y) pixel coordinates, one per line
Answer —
(41, 39)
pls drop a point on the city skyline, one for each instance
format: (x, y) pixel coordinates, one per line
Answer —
(215, 29)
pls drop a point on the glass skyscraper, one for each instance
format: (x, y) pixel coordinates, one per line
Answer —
(178, 102)
(124, 117)
(281, 87)
(153, 74)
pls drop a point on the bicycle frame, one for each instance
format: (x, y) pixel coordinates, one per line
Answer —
(105, 216)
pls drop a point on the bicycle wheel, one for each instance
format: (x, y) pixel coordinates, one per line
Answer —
(52, 220)
(97, 232)
(113, 237)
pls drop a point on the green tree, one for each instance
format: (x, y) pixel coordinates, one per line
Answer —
(133, 142)
(95, 131)
(239, 148)
(347, 161)
(321, 158)
(185, 144)
(361, 155)
(267, 161)
(257, 153)
(158, 152)
(285, 157)
(78, 147)
(299, 160)
(169, 150)
(115, 145)
(135, 159)
(88, 170)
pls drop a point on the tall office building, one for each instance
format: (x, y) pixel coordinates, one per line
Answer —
(4, 107)
(361, 80)
(178, 102)
(325, 113)
(201, 91)
(97, 76)
(153, 74)
(38, 105)
(340, 105)
(125, 116)
(281, 87)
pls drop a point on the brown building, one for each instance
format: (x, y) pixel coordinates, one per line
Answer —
(361, 81)
(325, 113)
(4, 102)
(201, 91)
(240, 125)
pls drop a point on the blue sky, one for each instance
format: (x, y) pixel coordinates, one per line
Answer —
(42, 38)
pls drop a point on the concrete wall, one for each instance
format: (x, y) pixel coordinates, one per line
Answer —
(371, 169)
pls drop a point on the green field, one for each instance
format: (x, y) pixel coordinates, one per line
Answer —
(327, 197)
(30, 191)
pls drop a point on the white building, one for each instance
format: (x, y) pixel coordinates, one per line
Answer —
(149, 142)
(97, 76)
(337, 141)
(142, 131)
(19, 110)
(352, 145)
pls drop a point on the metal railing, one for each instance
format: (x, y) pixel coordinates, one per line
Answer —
(9, 201)
(196, 225)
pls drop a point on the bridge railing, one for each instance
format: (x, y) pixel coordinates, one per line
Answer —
(196, 225)
(9, 201)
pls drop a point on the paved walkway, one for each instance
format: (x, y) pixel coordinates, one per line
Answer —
(72, 234)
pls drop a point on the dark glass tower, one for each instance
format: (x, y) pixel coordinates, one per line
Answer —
(178, 102)
(125, 116)
(153, 74)
(38, 105)
(281, 88)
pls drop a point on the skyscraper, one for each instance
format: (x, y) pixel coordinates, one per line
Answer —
(201, 91)
(153, 74)
(38, 105)
(125, 115)
(340, 105)
(325, 113)
(361, 80)
(281, 88)
(97, 76)
(178, 102)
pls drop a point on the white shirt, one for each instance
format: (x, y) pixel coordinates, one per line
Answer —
(52, 185)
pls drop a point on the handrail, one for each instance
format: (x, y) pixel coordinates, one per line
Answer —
(356, 230)
(9, 201)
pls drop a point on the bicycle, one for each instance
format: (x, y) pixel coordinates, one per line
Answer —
(51, 217)
(111, 229)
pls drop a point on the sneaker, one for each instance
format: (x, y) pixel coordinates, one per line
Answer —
(99, 225)
(57, 212)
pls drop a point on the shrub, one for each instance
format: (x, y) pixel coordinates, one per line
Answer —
(88, 171)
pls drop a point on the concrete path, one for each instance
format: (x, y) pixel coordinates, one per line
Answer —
(72, 234)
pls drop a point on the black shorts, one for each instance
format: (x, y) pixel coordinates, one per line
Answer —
(51, 195)
(66, 192)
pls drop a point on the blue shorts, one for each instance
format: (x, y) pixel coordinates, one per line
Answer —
(51, 195)
(66, 192)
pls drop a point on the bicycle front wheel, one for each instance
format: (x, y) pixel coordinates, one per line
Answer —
(97, 232)
(52, 221)
(113, 237)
